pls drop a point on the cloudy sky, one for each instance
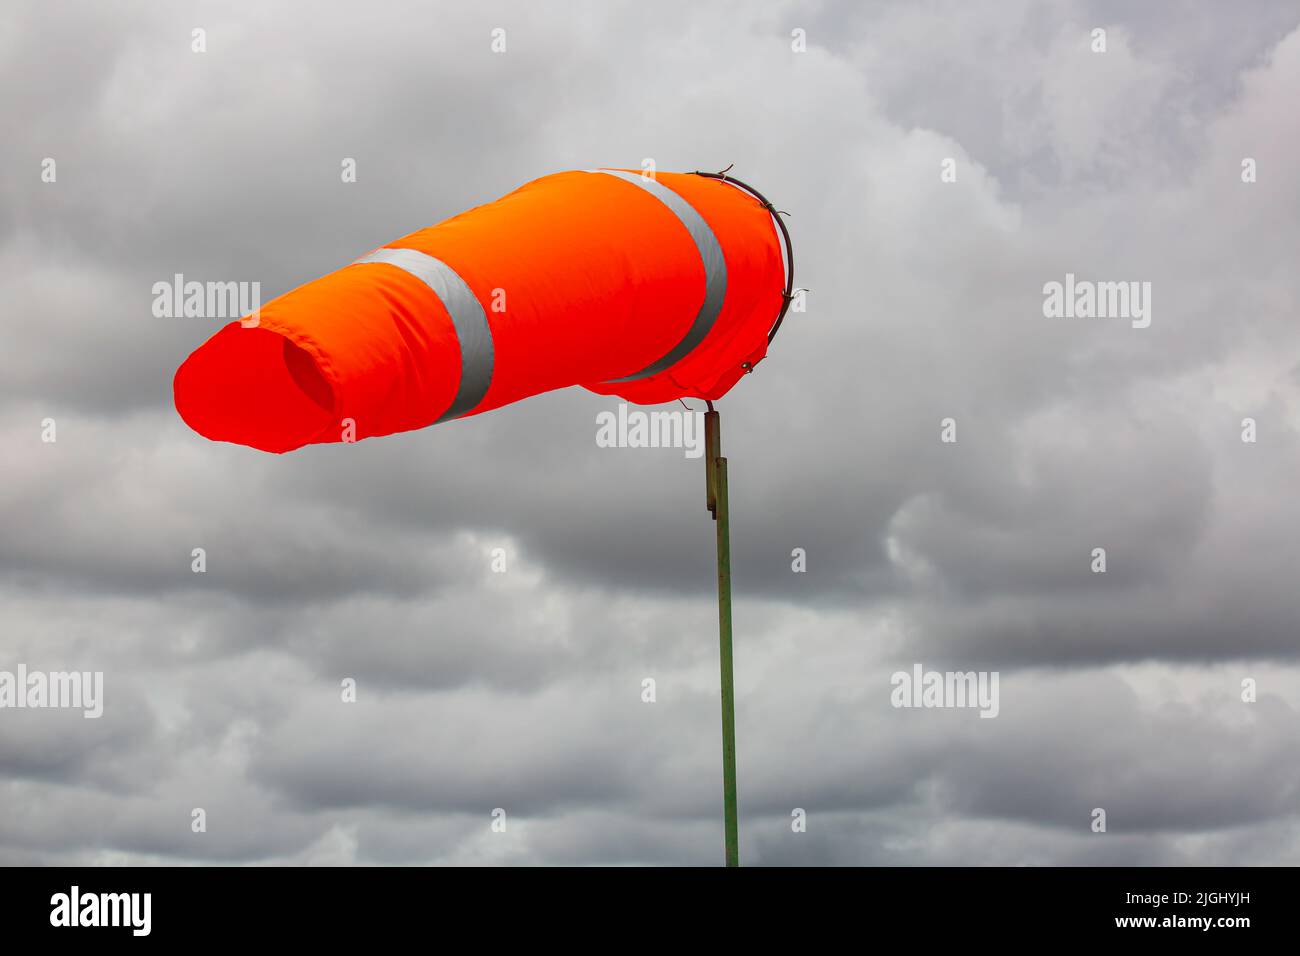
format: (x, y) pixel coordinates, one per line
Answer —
(523, 690)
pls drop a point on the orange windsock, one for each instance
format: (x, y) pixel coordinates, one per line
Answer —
(649, 288)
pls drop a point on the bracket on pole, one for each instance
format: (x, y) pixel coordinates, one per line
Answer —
(712, 452)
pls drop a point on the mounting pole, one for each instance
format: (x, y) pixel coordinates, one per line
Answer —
(716, 494)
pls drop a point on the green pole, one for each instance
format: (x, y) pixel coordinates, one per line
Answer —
(716, 492)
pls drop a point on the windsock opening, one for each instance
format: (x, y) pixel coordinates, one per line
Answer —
(252, 386)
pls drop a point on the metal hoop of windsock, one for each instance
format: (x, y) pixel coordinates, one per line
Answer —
(648, 287)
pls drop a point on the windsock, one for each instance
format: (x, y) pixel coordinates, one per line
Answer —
(651, 288)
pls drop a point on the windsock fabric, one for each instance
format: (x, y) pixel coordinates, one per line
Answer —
(651, 289)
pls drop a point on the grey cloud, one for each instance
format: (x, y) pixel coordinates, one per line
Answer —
(522, 689)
